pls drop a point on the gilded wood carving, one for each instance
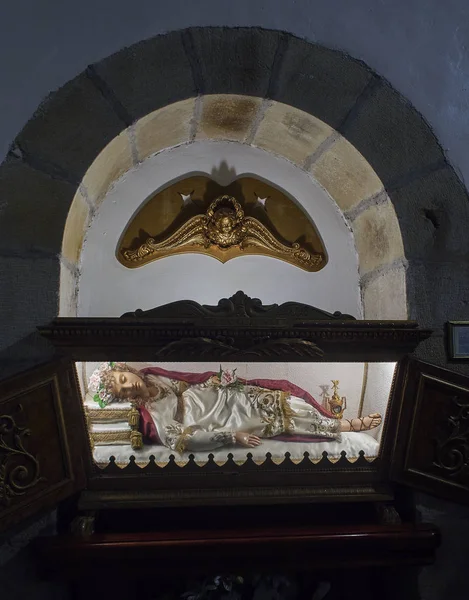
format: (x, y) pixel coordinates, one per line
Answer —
(198, 216)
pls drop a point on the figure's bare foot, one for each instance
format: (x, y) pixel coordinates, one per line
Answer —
(361, 423)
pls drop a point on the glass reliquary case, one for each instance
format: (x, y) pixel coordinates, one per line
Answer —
(239, 403)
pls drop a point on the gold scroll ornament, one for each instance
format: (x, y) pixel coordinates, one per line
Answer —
(224, 233)
(224, 230)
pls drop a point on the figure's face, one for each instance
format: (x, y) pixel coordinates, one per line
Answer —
(225, 224)
(127, 385)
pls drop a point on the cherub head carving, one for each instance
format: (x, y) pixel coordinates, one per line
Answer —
(224, 225)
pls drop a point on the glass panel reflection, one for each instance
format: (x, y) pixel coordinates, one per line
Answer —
(165, 409)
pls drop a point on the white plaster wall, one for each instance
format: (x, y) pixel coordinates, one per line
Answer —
(107, 288)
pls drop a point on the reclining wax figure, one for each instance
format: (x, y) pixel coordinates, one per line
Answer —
(205, 411)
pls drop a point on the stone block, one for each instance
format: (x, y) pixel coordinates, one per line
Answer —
(228, 117)
(377, 237)
(149, 75)
(110, 164)
(70, 128)
(392, 136)
(68, 292)
(320, 81)
(28, 296)
(235, 60)
(346, 175)
(438, 292)
(385, 297)
(290, 132)
(163, 128)
(33, 209)
(74, 230)
(433, 214)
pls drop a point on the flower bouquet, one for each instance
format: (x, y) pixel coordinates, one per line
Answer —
(227, 379)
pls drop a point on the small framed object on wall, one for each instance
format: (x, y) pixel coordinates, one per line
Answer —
(458, 340)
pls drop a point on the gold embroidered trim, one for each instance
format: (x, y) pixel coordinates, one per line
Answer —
(287, 412)
(132, 437)
(275, 410)
(181, 444)
(109, 437)
(178, 387)
(100, 415)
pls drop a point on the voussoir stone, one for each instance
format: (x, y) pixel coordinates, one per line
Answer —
(384, 297)
(74, 230)
(70, 128)
(377, 237)
(290, 132)
(346, 175)
(234, 60)
(163, 128)
(110, 164)
(227, 116)
(392, 136)
(68, 294)
(321, 81)
(33, 208)
(149, 74)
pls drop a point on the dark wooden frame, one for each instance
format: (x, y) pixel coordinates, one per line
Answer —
(240, 328)
(451, 327)
(44, 399)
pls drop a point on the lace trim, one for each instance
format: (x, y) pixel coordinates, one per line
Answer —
(178, 437)
(224, 438)
(274, 409)
(324, 426)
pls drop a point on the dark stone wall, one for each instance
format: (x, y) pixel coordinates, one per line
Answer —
(49, 157)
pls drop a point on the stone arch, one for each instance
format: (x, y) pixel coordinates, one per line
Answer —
(307, 142)
(51, 155)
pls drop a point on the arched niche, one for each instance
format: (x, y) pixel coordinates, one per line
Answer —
(336, 187)
(109, 102)
(105, 286)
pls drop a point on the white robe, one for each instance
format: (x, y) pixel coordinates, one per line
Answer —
(206, 416)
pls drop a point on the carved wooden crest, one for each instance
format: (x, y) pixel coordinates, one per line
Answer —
(230, 226)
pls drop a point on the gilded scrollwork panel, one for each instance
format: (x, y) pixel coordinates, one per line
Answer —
(254, 218)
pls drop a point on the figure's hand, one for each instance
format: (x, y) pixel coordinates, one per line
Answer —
(247, 440)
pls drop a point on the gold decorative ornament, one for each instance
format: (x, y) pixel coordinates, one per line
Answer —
(271, 226)
(106, 415)
(134, 418)
(111, 437)
(336, 404)
(130, 416)
(136, 440)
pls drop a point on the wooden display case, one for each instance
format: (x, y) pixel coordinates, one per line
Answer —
(422, 443)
